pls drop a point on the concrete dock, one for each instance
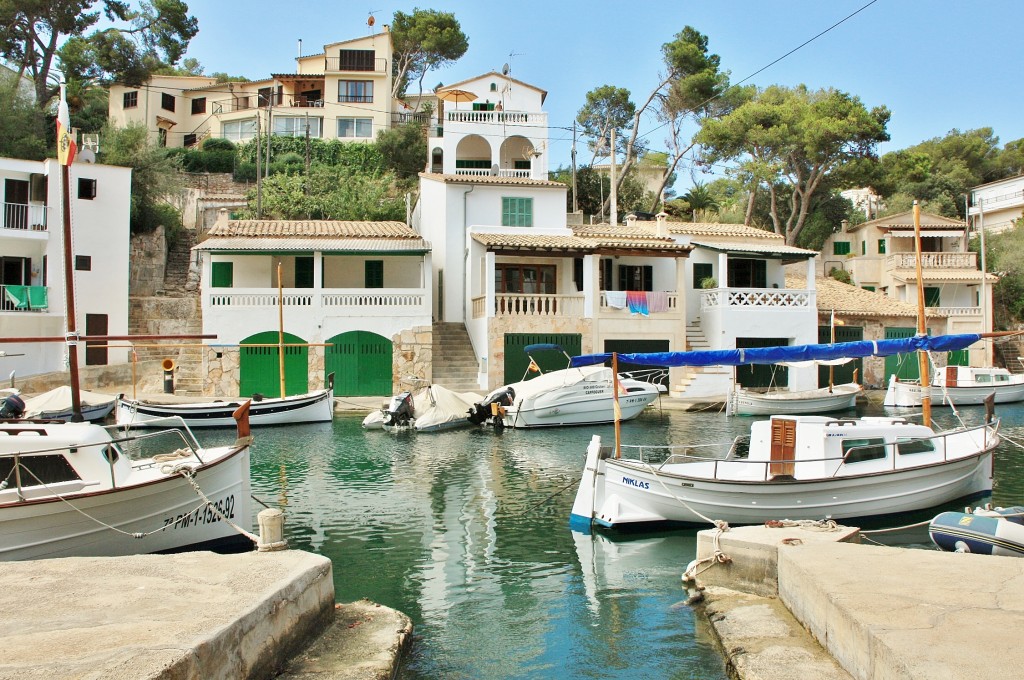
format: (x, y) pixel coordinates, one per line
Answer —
(795, 603)
(192, 615)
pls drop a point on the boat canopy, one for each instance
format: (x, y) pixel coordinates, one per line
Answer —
(542, 346)
(790, 353)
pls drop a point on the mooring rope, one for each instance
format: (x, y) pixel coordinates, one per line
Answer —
(189, 474)
(808, 524)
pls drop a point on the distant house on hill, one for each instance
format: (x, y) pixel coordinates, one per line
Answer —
(997, 205)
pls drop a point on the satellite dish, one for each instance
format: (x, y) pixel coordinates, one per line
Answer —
(371, 21)
(505, 69)
(87, 156)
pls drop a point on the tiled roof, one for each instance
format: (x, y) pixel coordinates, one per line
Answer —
(719, 229)
(936, 274)
(853, 301)
(772, 248)
(302, 244)
(906, 219)
(490, 179)
(577, 242)
(314, 228)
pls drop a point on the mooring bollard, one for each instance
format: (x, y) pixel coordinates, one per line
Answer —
(271, 523)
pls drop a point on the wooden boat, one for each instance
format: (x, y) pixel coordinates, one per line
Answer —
(791, 467)
(987, 531)
(56, 405)
(744, 402)
(959, 386)
(313, 407)
(71, 489)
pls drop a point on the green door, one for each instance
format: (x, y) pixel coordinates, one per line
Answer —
(259, 367)
(636, 347)
(516, 360)
(961, 357)
(762, 375)
(362, 364)
(903, 366)
(844, 372)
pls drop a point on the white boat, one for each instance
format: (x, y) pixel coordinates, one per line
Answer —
(70, 489)
(313, 407)
(959, 386)
(431, 409)
(799, 467)
(743, 402)
(986, 531)
(56, 405)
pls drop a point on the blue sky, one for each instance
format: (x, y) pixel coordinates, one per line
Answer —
(937, 64)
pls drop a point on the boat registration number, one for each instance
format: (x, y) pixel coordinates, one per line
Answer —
(203, 515)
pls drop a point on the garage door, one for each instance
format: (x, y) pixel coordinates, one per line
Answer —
(843, 373)
(259, 367)
(362, 364)
(517, 361)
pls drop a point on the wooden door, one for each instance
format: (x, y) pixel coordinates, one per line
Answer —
(362, 363)
(15, 204)
(96, 350)
(783, 447)
(951, 372)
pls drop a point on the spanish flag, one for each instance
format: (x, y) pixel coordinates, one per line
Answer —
(534, 368)
(66, 146)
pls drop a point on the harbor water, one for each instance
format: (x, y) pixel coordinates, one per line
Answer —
(467, 533)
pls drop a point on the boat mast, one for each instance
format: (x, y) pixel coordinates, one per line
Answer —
(984, 275)
(922, 357)
(280, 328)
(65, 156)
(615, 405)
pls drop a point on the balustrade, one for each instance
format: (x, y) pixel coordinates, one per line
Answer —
(933, 261)
(756, 297)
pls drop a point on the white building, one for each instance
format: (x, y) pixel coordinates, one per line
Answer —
(32, 288)
(997, 205)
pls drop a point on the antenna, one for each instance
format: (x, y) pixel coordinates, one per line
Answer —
(505, 69)
(371, 20)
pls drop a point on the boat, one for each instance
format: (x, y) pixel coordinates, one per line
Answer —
(987, 531)
(74, 490)
(431, 409)
(959, 386)
(312, 407)
(56, 405)
(743, 402)
(790, 467)
(570, 396)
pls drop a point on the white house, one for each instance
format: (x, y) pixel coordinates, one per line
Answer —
(997, 205)
(32, 288)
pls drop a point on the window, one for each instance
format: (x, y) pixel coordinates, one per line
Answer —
(881, 246)
(83, 263)
(525, 279)
(494, 87)
(198, 105)
(355, 91)
(744, 273)
(47, 469)
(472, 165)
(861, 450)
(840, 247)
(266, 95)
(189, 141)
(131, 99)
(86, 188)
(577, 273)
(167, 101)
(701, 271)
(361, 128)
(295, 126)
(871, 288)
(516, 212)
(373, 273)
(931, 296)
(863, 247)
(606, 274)
(303, 272)
(636, 277)
(906, 445)
(222, 275)
(486, 106)
(356, 60)
(238, 130)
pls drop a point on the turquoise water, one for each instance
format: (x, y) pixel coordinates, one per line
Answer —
(467, 533)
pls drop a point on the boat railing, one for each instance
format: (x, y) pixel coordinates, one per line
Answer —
(175, 427)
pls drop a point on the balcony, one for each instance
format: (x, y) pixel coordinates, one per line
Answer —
(24, 298)
(484, 172)
(24, 217)
(497, 117)
(746, 298)
(530, 305)
(932, 261)
(339, 64)
(953, 311)
(328, 302)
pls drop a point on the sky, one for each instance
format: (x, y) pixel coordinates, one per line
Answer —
(938, 65)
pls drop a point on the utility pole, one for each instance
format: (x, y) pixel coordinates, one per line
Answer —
(259, 175)
(270, 129)
(575, 199)
(612, 191)
(307, 145)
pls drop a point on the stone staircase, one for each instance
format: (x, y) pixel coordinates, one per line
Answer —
(179, 265)
(700, 382)
(455, 364)
(1006, 351)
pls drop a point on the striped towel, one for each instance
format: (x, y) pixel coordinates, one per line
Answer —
(636, 300)
(616, 298)
(657, 301)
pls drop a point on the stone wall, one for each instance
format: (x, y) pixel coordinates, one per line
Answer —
(147, 262)
(221, 371)
(215, 183)
(147, 376)
(413, 355)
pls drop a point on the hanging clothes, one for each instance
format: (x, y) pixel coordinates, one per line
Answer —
(657, 301)
(636, 301)
(615, 298)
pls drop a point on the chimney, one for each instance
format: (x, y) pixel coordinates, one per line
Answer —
(844, 225)
(630, 220)
(662, 222)
(300, 48)
(222, 218)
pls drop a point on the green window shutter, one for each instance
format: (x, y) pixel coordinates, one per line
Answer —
(871, 288)
(881, 246)
(374, 271)
(222, 275)
(516, 212)
(303, 272)
(840, 247)
(931, 297)
(863, 247)
(701, 271)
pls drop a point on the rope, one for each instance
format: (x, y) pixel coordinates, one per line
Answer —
(164, 457)
(693, 569)
(807, 524)
(684, 503)
(189, 474)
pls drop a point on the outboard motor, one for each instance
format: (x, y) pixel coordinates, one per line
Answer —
(482, 410)
(400, 411)
(12, 406)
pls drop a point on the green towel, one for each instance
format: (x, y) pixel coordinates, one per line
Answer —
(37, 297)
(17, 296)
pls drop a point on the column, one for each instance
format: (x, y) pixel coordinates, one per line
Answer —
(591, 279)
(489, 293)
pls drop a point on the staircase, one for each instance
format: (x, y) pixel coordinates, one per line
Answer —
(455, 364)
(1005, 353)
(179, 261)
(701, 382)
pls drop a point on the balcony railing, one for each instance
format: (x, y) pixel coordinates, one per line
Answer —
(484, 172)
(755, 297)
(24, 298)
(654, 303)
(533, 305)
(357, 302)
(933, 261)
(496, 117)
(953, 311)
(24, 217)
(335, 64)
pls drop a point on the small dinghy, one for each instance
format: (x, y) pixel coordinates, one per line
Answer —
(988, 531)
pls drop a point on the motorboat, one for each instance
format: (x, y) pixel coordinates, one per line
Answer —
(958, 386)
(431, 409)
(312, 407)
(987, 531)
(56, 405)
(744, 402)
(789, 467)
(73, 489)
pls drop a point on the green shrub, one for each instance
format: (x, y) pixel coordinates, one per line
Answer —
(217, 144)
(840, 275)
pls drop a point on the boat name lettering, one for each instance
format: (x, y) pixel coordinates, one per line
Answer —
(205, 514)
(628, 481)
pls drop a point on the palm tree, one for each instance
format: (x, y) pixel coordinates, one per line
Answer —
(701, 200)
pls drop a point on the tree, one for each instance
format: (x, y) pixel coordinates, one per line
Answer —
(593, 188)
(424, 40)
(606, 108)
(794, 138)
(32, 33)
(23, 127)
(1005, 255)
(331, 193)
(404, 148)
(701, 201)
(155, 176)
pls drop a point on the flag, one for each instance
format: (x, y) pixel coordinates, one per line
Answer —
(534, 367)
(66, 147)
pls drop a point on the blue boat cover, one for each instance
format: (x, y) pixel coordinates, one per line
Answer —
(772, 355)
(543, 345)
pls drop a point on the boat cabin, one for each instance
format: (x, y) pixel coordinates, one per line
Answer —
(971, 376)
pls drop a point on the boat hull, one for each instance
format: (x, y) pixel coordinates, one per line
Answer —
(315, 407)
(974, 395)
(987, 533)
(842, 397)
(49, 527)
(576, 411)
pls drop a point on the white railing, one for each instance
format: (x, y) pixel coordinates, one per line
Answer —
(267, 299)
(498, 117)
(933, 260)
(484, 172)
(954, 311)
(367, 302)
(535, 305)
(756, 297)
(24, 217)
(673, 305)
(389, 301)
(514, 173)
